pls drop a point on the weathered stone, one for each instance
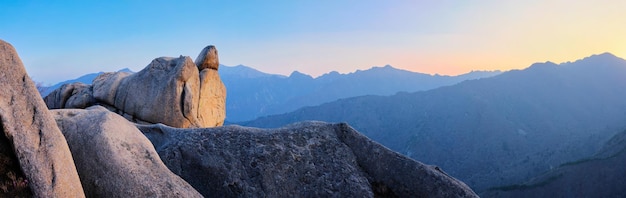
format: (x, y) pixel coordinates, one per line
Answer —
(166, 91)
(310, 159)
(208, 59)
(74, 95)
(212, 103)
(114, 159)
(105, 86)
(172, 91)
(26, 124)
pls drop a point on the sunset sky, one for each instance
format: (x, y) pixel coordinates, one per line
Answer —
(60, 40)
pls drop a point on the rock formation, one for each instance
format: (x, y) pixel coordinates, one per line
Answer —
(212, 89)
(208, 59)
(114, 159)
(174, 91)
(304, 160)
(39, 161)
(74, 95)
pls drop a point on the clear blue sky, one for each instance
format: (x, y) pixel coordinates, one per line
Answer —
(59, 40)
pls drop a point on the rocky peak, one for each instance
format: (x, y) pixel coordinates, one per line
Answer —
(208, 58)
(173, 91)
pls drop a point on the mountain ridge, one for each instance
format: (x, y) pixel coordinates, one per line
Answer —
(498, 130)
(598, 176)
(253, 93)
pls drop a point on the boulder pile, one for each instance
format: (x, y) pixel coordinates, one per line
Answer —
(174, 91)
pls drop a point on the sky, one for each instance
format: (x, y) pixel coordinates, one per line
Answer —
(59, 40)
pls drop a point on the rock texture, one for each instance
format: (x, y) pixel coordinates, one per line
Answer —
(35, 142)
(174, 91)
(74, 95)
(207, 59)
(114, 159)
(310, 159)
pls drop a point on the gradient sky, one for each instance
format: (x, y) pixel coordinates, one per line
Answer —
(59, 40)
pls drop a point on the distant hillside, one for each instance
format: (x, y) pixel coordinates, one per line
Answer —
(492, 131)
(252, 93)
(603, 175)
(87, 78)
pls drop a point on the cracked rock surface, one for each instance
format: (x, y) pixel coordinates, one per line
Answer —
(173, 91)
(31, 140)
(309, 159)
(114, 159)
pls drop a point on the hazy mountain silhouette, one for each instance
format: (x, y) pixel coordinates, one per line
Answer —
(492, 131)
(87, 78)
(252, 93)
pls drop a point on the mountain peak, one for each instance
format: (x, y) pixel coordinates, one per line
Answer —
(126, 70)
(386, 67)
(602, 60)
(243, 72)
(543, 65)
(297, 74)
(606, 56)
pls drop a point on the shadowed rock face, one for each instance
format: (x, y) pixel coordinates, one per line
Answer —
(114, 159)
(174, 91)
(309, 159)
(31, 140)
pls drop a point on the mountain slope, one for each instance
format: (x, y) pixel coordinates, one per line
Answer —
(603, 175)
(493, 131)
(252, 93)
(87, 78)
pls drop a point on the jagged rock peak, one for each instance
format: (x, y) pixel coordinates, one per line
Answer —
(208, 58)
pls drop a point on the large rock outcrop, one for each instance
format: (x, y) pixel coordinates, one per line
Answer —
(114, 159)
(174, 91)
(74, 95)
(39, 162)
(212, 90)
(310, 159)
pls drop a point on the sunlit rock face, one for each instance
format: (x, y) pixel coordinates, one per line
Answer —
(174, 91)
(114, 159)
(35, 159)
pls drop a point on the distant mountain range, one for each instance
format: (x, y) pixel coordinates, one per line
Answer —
(251, 93)
(87, 79)
(495, 131)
